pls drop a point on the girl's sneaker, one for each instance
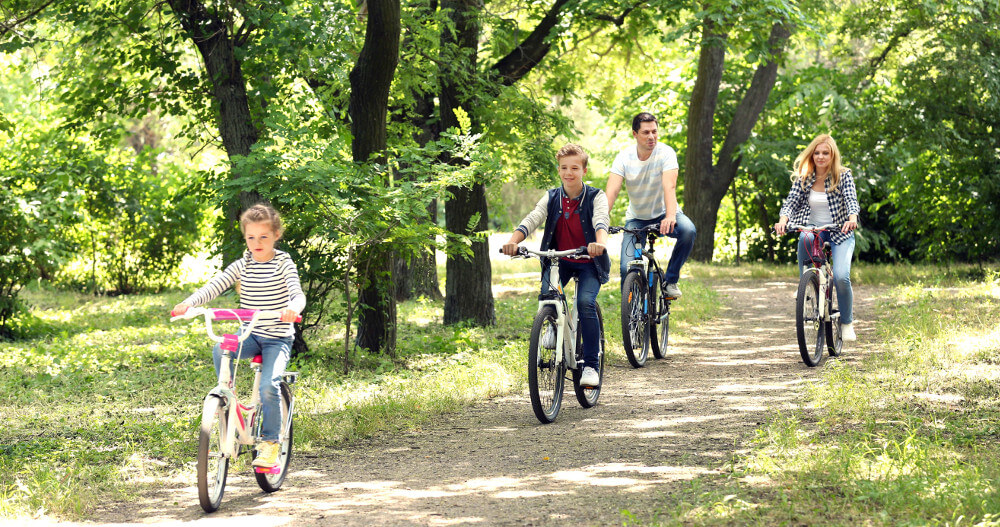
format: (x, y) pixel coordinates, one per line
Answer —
(267, 454)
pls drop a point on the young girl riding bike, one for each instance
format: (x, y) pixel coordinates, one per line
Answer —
(268, 280)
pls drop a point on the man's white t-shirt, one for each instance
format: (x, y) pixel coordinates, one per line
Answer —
(644, 180)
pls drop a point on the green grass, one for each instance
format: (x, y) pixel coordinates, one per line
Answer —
(108, 390)
(908, 436)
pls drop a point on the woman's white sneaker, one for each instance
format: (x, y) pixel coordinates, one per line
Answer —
(847, 332)
(590, 378)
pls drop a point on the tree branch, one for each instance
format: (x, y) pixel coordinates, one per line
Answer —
(7, 27)
(752, 104)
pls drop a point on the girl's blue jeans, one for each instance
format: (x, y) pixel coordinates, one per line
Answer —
(841, 264)
(586, 297)
(684, 232)
(275, 354)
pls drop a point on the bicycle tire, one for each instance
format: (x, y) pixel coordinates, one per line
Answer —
(808, 320)
(272, 482)
(834, 339)
(635, 322)
(659, 324)
(587, 396)
(545, 380)
(213, 466)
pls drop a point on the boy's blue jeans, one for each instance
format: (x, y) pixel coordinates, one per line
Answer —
(275, 352)
(684, 232)
(840, 261)
(586, 295)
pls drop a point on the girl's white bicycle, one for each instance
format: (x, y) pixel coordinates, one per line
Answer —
(227, 426)
(557, 344)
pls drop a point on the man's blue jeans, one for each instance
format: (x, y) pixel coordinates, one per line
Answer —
(275, 352)
(841, 263)
(586, 296)
(684, 233)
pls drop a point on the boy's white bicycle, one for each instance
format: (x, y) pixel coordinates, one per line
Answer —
(229, 427)
(556, 342)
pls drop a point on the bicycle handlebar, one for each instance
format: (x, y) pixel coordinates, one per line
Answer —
(580, 253)
(829, 227)
(251, 316)
(640, 230)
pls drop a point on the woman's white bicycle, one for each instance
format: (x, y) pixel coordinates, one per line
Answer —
(228, 427)
(556, 344)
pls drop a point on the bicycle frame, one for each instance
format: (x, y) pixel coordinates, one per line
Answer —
(822, 268)
(568, 323)
(232, 346)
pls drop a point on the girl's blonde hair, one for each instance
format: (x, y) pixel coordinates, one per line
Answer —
(804, 166)
(261, 213)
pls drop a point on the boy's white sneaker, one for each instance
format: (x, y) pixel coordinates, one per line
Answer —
(672, 291)
(590, 378)
(847, 332)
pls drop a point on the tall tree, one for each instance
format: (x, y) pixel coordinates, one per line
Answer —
(468, 289)
(371, 79)
(468, 295)
(219, 41)
(707, 180)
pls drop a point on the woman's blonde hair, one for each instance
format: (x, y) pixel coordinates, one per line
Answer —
(261, 213)
(804, 166)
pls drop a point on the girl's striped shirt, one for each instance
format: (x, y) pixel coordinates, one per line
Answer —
(270, 285)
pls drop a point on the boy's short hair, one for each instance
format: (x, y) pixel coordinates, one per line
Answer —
(573, 150)
(644, 117)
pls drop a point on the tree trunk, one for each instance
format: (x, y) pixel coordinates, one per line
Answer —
(419, 276)
(706, 184)
(236, 127)
(370, 82)
(468, 290)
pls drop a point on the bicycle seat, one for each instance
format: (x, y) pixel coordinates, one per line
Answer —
(258, 359)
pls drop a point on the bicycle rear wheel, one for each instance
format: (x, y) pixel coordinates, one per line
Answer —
(270, 482)
(213, 465)
(587, 396)
(834, 340)
(809, 326)
(659, 323)
(635, 323)
(546, 373)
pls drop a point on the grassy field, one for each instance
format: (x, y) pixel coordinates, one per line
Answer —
(108, 390)
(907, 437)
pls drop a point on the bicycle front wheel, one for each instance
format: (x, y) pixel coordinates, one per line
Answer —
(635, 322)
(809, 325)
(213, 465)
(546, 373)
(271, 481)
(587, 396)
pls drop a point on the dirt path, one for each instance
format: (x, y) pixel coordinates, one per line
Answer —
(654, 430)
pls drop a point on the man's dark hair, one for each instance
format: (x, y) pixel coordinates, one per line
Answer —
(644, 117)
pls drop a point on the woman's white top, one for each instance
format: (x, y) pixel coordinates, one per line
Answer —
(819, 209)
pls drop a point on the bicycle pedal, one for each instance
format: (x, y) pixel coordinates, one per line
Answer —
(276, 469)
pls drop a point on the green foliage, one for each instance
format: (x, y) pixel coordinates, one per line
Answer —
(335, 210)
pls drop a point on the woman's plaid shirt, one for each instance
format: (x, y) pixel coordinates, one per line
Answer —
(843, 202)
